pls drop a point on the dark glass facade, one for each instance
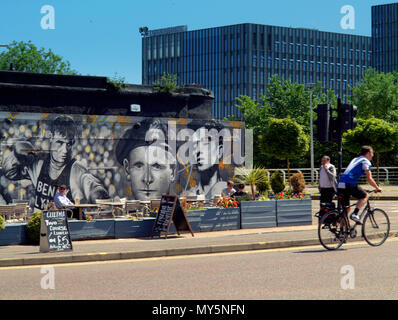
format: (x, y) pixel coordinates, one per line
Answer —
(385, 37)
(240, 60)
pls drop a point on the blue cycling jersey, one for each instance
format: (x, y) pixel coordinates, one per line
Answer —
(354, 171)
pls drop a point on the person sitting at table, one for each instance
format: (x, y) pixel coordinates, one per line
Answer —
(61, 201)
(240, 192)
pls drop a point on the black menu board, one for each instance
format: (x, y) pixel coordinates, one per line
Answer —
(170, 210)
(54, 231)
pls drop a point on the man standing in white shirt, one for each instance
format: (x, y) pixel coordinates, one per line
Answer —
(327, 180)
(61, 200)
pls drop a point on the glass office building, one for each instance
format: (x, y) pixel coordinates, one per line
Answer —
(240, 59)
(385, 37)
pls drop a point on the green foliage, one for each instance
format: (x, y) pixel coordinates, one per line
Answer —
(282, 99)
(33, 228)
(252, 177)
(263, 187)
(377, 95)
(297, 182)
(117, 82)
(284, 139)
(277, 183)
(26, 57)
(377, 133)
(2, 223)
(166, 84)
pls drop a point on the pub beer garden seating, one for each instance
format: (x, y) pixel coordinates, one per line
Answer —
(14, 211)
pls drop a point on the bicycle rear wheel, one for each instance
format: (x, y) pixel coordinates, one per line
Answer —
(332, 230)
(376, 227)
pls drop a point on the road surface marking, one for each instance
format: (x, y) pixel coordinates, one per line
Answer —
(191, 256)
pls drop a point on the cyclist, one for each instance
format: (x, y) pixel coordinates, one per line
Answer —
(348, 182)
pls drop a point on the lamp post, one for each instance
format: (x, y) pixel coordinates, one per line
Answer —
(311, 86)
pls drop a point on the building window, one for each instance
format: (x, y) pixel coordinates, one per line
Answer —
(297, 49)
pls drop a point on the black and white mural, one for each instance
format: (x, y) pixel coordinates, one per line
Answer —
(111, 157)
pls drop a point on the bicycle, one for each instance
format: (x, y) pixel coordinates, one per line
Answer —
(334, 226)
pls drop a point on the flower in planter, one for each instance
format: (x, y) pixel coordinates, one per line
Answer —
(226, 202)
(89, 218)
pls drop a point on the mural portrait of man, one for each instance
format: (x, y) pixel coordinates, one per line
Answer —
(48, 169)
(210, 146)
(147, 160)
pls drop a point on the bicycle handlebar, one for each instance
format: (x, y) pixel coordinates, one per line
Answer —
(372, 191)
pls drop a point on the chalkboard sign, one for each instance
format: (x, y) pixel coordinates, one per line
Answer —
(170, 210)
(54, 231)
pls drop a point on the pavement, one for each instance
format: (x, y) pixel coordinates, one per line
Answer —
(185, 244)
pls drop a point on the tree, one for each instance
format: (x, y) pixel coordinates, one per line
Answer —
(282, 99)
(26, 57)
(377, 133)
(377, 96)
(284, 139)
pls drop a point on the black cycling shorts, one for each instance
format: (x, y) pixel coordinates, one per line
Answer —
(346, 193)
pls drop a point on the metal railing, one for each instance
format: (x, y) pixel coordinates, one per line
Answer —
(387, 175)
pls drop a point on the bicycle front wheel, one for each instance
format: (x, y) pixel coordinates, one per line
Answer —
(332, 230)
(376, 227)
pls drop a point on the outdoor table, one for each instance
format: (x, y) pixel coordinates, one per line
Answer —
(81, 206)
(113, 204)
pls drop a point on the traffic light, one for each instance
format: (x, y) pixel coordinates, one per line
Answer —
(346, 117)
(334, 130)
(322, 122)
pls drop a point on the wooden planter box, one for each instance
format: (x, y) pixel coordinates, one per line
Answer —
(14, 233)
(258, 214)
(127, 228)
(216, 219)
(95, 229)
(293, 212)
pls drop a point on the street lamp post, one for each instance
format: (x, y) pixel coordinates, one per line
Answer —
(311, 86)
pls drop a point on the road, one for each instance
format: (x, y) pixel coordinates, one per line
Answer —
(293, 273)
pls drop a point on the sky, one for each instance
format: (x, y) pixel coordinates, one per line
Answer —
(101, 38)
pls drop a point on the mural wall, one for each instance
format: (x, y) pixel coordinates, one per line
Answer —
(103, 157)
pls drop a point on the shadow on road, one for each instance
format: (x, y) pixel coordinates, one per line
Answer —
(319, 251)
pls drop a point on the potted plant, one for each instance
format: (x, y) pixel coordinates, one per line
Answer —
(252, 177)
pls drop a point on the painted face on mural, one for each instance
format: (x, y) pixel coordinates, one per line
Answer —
(61, 148)
(151, 171)
(206, 149)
